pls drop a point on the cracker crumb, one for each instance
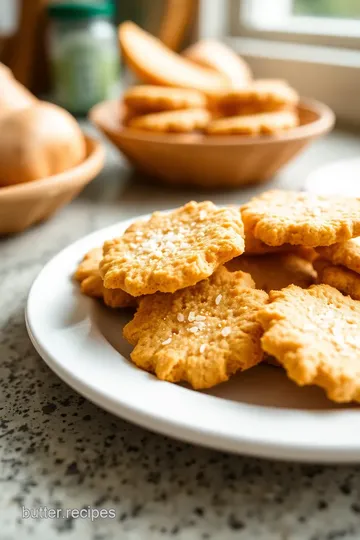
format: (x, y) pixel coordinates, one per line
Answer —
(226, 331)
(194, 329)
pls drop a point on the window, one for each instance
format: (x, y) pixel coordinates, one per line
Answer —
(322, 22)
(314, 44)
(8, 17)
(340, 9)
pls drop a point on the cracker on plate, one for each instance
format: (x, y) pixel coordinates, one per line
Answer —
(172, 250)
(275, 271)
(314, 335)
(201, 334)
(345, 280)
(91, 283)
(344, 253)
(279, 217)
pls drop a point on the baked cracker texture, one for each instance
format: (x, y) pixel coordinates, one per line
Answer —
(345, 253)
(343, 279)
(314, 334)
(147, 99)
(275, 272)
(253, 246)
(183, 121)
(91, 283)
(263, 95)
(173, 250)
(254, 124)
(279, 217)
(202, 334)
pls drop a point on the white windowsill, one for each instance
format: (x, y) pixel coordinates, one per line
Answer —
(295, 51)
(255, 19)
(307, 26)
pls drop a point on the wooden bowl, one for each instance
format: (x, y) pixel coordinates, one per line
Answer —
(211, 161)
(23, 205)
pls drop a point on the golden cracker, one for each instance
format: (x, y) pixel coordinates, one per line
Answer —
(346, 254)
(341, 278)
(91, 283)
(265, 95)
(314, 335)
(275, 272)
(280, 217)
(172, 250)
(254, 124)
(183, 121)
(144, 99)
(202, 334)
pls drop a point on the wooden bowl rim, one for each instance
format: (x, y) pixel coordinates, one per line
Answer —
(94, 161)
(323, 124)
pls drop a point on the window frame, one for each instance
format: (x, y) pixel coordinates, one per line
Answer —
(9, 16)
(320, 68)
(324, 31)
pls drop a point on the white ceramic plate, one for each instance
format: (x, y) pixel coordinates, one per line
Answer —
(337, 178)
(259, 412)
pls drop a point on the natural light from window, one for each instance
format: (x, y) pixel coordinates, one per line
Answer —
(344, 9)
(302, 17)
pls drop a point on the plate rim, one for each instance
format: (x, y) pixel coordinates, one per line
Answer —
(176, 428)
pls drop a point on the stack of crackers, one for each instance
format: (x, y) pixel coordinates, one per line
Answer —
(208, 88)
(220, 290)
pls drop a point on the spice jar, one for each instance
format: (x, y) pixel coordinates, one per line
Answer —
(84, 54)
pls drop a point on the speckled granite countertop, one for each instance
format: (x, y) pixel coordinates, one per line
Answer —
(59, 451)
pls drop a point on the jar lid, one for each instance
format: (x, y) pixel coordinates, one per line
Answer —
(81, 10)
